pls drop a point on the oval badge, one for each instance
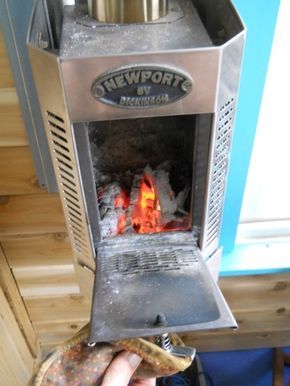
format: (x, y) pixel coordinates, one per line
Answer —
(141, 87)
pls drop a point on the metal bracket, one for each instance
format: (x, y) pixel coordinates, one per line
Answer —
(164, 342)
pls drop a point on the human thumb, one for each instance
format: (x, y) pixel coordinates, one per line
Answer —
(121, 369)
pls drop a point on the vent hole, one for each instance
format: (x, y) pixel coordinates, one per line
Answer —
(211, 239)
(64, 163)
(213, 205)
(57, 117)
(77, 244)
(74, 210)
(72, 203)
(75, 216)
(71, 196)
(80, 238)
(58, 136)
(66, 172)
(213, 231)
(57, 127)
(68, 187)
(61, 154)
(67, 180)
(76, 227)
(213, 223)
(82, 243)
(77, 248)
(60, 145)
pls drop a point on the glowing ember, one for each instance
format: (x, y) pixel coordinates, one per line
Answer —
(121, 201)
(144, 215)
(121, 224)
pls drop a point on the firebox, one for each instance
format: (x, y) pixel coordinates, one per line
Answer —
(139, 104)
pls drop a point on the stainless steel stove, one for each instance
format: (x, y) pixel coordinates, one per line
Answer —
(139, 105)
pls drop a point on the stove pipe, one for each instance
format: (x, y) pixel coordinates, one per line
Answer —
(127, 11)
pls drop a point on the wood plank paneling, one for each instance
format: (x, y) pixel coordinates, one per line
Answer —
(257, 330)
(6, 78)
(12, 130)
(38, 251)
(17, 173)
(261, 306)
(58, 308)
(31, 215)
(9, 286)
(210, 342)
(271, 319)
(16, 362)
(57, 318)
(257, 292)
(53, 333)
(42, 265)
(58, 280)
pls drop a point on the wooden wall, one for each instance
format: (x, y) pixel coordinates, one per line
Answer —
(261, 306)
(38, 279)
(16, 361)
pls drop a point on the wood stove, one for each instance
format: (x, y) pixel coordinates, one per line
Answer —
(139, 115)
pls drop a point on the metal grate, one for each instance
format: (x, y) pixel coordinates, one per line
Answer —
(220, 166)
(67, 176)
(136, 262)
(167, 259)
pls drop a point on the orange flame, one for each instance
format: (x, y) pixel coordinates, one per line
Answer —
(147, 214)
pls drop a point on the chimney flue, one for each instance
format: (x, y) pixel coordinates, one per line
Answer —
(127, 11)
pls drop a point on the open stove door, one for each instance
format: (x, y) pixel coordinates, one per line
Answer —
(136, 282)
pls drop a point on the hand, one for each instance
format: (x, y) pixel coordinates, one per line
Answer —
(121, 370)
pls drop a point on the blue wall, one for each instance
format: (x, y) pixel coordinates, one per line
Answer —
(260, 19)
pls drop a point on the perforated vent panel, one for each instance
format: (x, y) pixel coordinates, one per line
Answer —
(61, 148)
(219, 172)
(167, 259)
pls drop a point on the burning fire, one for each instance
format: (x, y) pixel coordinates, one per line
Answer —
(145, 215)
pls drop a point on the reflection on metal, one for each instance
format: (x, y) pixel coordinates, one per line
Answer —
(127, 11)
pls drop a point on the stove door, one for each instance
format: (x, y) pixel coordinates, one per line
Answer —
(134, 286)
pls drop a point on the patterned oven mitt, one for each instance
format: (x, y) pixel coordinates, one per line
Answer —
(75, 363)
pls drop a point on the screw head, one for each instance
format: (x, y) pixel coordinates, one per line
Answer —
(160, 321)
(187, 86)
(98, 91)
